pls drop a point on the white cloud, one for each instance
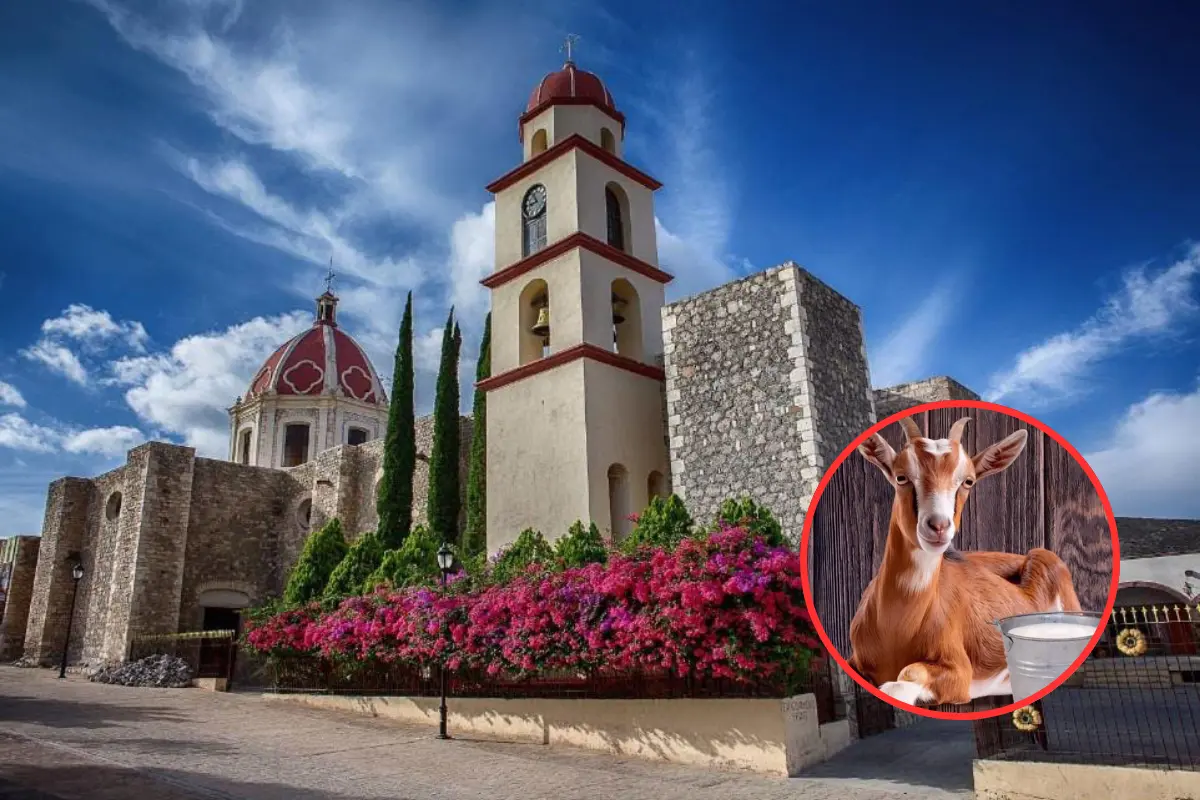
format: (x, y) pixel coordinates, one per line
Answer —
(18, 433)
(85, 324)
(112, 441)
(186, 392)
(472, 258)
(59, 359)
(1145, 307)
(1150, 465)
(10, 396)
(904, 353)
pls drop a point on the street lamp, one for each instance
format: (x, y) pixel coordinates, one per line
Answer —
(445, 557)
(77, 575)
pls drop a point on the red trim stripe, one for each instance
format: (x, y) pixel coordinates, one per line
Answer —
(578, 239)
(574, 353)
(566, 145)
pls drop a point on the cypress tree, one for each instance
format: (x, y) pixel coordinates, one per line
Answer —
(323, 551)
(475, 536)
(444, 502)
(395, 499)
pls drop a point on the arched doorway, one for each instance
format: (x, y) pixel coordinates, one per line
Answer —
(221, 609)
(1160, 613)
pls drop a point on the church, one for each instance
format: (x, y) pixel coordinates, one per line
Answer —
(601, 396)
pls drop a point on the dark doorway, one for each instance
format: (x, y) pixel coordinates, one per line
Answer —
(295, 445)
(217, 655)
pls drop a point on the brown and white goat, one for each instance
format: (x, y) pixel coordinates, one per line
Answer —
(923, 631)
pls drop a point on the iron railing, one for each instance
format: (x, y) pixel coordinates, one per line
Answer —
(1134, 702)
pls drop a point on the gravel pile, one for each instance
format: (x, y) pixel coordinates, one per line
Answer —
(161, 671)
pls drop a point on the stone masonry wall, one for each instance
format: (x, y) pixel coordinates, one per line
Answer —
(238, 516)
(62, 535)
(766, 381)
(891, 399)
(20, 593)
(102, 567)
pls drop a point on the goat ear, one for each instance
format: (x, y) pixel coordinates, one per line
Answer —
(876, 450)
(1000, 455)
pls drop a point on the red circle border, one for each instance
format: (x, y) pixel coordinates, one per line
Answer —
(805, 539)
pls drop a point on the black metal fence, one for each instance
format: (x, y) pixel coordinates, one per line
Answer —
(1134, 702)
(209, 654)
(316, 675)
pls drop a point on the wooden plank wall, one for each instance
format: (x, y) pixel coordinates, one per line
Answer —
(1043, 500)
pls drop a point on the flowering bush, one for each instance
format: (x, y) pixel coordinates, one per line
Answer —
(725, 606)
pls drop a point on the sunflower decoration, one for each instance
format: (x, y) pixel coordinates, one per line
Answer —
(1131, 642)
(1027, 719)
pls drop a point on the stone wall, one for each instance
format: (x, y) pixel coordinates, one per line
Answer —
(62, 537)
(891, 399)
(23, 558)
(766, 382)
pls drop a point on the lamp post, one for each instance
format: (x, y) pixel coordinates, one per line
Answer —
(445, 557)
(76, 574)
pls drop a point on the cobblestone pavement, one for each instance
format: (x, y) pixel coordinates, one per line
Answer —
(62, 740)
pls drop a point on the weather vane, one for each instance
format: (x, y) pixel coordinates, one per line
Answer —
(329, 277)
(568, 43)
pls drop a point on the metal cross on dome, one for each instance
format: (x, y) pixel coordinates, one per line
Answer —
(329, 278)
(568, 42)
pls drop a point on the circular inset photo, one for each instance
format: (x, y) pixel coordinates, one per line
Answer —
(960, 560)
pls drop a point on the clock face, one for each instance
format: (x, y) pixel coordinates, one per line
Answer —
(535, 201)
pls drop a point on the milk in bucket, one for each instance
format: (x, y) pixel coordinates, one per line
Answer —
(1041, 647)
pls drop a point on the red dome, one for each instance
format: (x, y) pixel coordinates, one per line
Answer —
(322, 360)
(573, 85)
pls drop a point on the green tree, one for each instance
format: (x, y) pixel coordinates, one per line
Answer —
(664, 524)
(581, 546)
(758, 520)
(395, 498)
(475, 535)
(445, 503)
(351, 577)
(529, 548)
(322, 553)
(413, 564)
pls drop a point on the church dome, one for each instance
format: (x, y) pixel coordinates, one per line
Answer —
(573, 85)
(321, 360)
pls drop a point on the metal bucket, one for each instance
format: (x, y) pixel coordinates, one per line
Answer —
(1036, 661)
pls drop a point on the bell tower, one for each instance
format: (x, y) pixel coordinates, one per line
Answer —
(575, 427)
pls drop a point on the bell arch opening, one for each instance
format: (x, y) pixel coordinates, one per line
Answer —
(627, 320)
(535, 321)
(540, 142)
(616, 210)
(619, 504)
(608, 141)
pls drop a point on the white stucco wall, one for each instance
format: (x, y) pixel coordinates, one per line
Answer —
(1168, 571)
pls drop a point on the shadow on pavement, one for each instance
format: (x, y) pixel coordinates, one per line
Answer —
(929, 752)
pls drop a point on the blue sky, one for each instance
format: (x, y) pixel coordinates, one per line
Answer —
(1013, 197)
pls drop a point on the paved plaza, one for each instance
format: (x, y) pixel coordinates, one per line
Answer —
(72, 739)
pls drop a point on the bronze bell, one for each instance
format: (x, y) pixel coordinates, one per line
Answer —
(542, 326)
(618, 310)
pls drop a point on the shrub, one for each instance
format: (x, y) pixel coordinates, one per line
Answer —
(414, 563)
(530, 548)
(323, 551)
(756, 519)
(664, 524)
(353, 573)
(581, 546)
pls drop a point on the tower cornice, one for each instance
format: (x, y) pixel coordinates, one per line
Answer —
(566, 244)
(566, 356)
(573, 142)
(613, 114)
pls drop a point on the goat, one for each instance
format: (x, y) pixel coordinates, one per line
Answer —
(923, 631)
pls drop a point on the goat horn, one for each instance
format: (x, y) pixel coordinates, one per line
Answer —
(911, 430)
(956, 430)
